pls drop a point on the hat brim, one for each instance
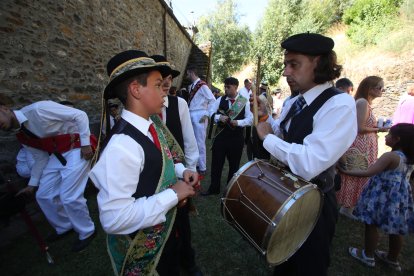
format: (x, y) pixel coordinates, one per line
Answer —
(109, 92)
(175, 73)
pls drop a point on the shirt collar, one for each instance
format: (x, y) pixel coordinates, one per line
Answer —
(137, 121)
(20, 116)
(314, 92)
(194, 83)
(227, 98)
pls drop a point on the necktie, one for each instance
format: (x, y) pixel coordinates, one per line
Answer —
(154, 136)
(293, 111)
(232, 101)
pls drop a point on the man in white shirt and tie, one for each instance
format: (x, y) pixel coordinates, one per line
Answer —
(200, 100)
(313, 131)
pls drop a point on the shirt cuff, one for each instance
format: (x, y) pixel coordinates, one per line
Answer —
(33, 182)
(168, 198)
(85, 141)
(179, 170)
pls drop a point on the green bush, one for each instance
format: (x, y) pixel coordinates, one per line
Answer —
(369, 20)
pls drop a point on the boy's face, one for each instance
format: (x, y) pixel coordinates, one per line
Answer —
(150, 95)
(7, 119)
(166, 85)
(230, 90)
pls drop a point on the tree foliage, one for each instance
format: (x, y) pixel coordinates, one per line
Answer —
(231, 42)
(287, 17)
(368, 20)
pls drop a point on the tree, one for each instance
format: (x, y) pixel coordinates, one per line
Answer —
(287, 17)
(231, 42)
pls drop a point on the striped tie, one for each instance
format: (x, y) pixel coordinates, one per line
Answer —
(296, 108)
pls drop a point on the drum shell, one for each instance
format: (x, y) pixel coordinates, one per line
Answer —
(251, 202)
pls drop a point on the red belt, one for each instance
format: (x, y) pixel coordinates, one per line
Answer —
(55, 144)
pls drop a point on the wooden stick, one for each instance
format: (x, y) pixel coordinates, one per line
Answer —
(256, 94)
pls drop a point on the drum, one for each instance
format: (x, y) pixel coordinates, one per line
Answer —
(274, 209)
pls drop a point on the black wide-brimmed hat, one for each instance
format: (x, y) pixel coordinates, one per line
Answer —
(308, 44)
(127, 64)
(161, 60)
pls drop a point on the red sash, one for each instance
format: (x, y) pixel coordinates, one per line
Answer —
(55, 144)
(195, 89)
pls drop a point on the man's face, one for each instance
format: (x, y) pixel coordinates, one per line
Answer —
(113, 111)
(299, 71)
(230, 90)
(248, 85)
(150, 95)
(166, 85)
(7, 119)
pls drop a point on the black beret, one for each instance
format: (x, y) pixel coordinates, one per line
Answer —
(231, 81)
(308, 44)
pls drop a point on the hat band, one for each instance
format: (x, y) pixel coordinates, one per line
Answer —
(131, 64)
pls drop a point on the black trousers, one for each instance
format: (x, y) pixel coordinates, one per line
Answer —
(313, 258)
(178, 251)
(226, 145)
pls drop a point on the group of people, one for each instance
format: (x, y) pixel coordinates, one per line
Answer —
(152, 158)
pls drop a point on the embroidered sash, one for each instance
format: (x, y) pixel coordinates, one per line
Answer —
(232, 113)
(195, 90)
(140, 255)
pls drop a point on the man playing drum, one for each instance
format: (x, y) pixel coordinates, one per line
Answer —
(313, 131)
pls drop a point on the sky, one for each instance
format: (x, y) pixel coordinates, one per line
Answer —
(188, 11)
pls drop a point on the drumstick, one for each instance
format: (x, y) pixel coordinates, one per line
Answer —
(255, 109)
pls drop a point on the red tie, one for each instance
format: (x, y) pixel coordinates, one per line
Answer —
(154, 136)
(232, 101)
(160, 115)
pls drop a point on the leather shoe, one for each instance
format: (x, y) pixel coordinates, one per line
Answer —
(52, 237)
(79, 245)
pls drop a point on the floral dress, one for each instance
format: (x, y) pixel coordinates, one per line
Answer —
(387, 200)
(366, 144)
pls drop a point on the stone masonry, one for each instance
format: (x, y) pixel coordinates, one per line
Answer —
(58, 49)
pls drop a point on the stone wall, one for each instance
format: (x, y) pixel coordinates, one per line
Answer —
(59, 49)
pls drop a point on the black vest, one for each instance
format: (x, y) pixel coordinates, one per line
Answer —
(150, 175)
(229, 131)
(173, 121)
(302, 125)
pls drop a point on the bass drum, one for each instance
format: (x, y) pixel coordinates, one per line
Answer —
(274, 209)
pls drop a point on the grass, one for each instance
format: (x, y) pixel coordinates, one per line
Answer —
(220, 249)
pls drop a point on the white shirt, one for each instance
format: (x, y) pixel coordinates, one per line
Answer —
(248, 115)
(334, 130)
(190, 142)
(245, 93)
(47, 118)
(203, 99)
(116, 175)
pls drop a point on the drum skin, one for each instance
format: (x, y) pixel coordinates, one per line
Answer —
(274, 212)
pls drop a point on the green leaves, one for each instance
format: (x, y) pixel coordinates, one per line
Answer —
(231, 42)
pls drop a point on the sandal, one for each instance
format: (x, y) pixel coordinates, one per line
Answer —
(361, 256)
(383, 256)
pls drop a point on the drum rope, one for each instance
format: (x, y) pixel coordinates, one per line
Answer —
(240, 228)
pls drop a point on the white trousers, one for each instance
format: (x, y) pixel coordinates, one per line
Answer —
(200, 132)
(60, 194)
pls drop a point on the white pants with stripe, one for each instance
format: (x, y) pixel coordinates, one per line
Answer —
(60, 194)
(200, 132)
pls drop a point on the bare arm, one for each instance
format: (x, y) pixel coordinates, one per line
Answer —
(362, 116)
(388, 161)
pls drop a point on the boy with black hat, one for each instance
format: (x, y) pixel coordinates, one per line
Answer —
(231, 113)
(136, 175)
(313, 131)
